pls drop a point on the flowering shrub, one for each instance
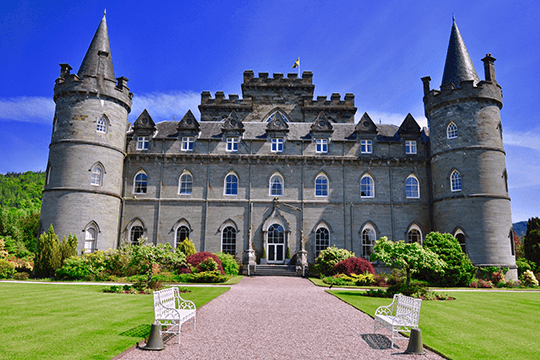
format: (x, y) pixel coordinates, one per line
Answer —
(207, 277)
(195, 259)
(380, 279)
(528, 279)
(497, 277)
(353, 265)
(485, 284)
(7, 269)
(329, 258)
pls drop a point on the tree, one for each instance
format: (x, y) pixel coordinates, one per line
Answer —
(531, 243)
(329, 258)
(49, 257)
(187, 247)
(409, 256)
(68, 248)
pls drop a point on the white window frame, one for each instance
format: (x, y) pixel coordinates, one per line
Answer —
(455, 181)
(410, 189)
(136, 187)
(229, 232)
(463, 244)
(276, 179)
(96, 178)
(234, 191)
(187, 143)
(131, 234)
(101, 126)
(321, 146)
(89, 240)
(366, 146)
(410, 147)
(370, 191)
(321, 186)
(185, 187)
(369, 236)
(452, 131)
(415, 228)
(178, 229)
(142, 143)
(277, 145)
(232, 143)
(319, 246)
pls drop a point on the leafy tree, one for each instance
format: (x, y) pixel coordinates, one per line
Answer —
(531, 243)
(409, 256)
(49, 257)
(459, 270)
(329, 258)
(187, 247)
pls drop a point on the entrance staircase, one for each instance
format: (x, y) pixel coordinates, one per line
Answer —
(274, 270)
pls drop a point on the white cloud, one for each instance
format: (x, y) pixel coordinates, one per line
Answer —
(528, 139)
(165, 106)
(27, 109)
(390, 118)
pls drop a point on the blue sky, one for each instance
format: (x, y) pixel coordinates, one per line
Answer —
(173, 50)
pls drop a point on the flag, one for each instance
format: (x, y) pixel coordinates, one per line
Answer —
(296, 63)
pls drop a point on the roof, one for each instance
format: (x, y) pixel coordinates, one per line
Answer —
(99, 53)
(458, 66)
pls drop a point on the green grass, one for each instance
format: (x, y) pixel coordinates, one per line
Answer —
(477, 325)
(76, 321)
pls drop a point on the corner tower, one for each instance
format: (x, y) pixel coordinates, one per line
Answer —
(469, 178)
(83, 187)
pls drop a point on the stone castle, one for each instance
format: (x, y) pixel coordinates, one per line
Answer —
(278, 172)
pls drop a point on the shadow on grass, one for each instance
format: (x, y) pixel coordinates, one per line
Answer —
(142, 330)
(378, 341)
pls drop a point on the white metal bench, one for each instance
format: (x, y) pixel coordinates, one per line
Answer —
(172, 311)
(401, 315)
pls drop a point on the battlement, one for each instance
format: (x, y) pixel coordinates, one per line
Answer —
(278, 80)
(220, 100)
(72, 83)
(334, 101)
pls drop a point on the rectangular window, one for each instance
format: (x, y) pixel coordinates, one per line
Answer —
(187, 143)
(142, 142)
(277, 145)
(366, 146)
(232, 144)
(410, 147)
(322, 146)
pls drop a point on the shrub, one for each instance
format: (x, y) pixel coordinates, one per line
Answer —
(48, 258)
(21, 276)
(195, 259)
(207, 264)
(68, 248)
(365, 279)
(498, 277)
(229, 263)
(524, 265)
(528, 279)
(473, 283)
(485, 284)
(3, 251)
(22, 265)
(339, 280)
(353, 265)
(187, 247)
(329, 258)
(513, 284)
(380, 293)
(74, 268)
(414, 288)
(7, 269)
(458, 271)
(380, 279)
(207, 277)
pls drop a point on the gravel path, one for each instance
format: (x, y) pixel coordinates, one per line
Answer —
(279, 318)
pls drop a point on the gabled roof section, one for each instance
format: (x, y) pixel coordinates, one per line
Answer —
(277, 123)
(98, 60)
(321, 124)
(409, 126)
(188, 123)
(144, 122)
(365, 125)
(458, 66)
(232, 123)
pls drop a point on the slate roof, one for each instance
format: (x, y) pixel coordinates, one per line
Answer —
(99, 53)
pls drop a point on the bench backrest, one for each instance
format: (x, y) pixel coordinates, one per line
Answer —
(408, 308)
(165, 298)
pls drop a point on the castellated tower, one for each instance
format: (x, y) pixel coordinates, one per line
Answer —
(83, 191)
(469, 178)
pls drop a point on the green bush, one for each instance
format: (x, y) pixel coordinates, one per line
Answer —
(207, 277)
(7, 269)
(329, 258)
(458, 271)
(207, 265)
(229, 263)
(528, 279)
(68, 248)
(415, 289)
(74, 268)
(524, 265)
(187, 247)
(48, 258)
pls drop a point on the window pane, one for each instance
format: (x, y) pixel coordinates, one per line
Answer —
(136, 234)
(321, 186)
(368, 238)
(141, 183)
(411, 187)
(231, 185)
(229, 240)
(456, 181)
(366, 187)
(182, 233)
(322, 240)
(186, 184)
(276, 186)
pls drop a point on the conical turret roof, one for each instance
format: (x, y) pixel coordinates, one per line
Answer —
(458, 66)
(98, 60)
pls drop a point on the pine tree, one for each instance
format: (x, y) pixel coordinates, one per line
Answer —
(68, 248)
(531, 243)
(49, 256)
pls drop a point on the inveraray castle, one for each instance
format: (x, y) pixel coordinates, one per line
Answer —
(278, 169)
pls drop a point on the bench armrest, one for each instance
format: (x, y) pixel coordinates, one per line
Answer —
(385, 310)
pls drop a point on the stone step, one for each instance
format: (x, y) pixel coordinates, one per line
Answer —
(274, 270)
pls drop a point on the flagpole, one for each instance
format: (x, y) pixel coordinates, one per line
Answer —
(298, 67)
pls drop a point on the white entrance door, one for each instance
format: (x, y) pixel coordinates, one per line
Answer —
(276, 244)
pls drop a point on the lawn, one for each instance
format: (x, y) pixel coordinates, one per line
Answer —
(477, 325)
(47, 321)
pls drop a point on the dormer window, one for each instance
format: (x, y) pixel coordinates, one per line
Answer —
(322, 146)
(410, 147)
(142, 142)
(232, 144)
(277, 145)
(187, 143)
(366, 146)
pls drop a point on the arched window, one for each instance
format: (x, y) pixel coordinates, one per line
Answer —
(185, 184)
(276, 185)
(136, 233)
(412, 189)
(414, 235)
(368, 239)
(141, 183)
(182, 233)
(322, 240)
(460, 236)
(48, 175)
(231, 185)
(228, 240)
(101, 126)
(367, 188)
(276, 244)
(90, 238)
(321, 186)
(455, 181)
(97, 175)
(452, 131)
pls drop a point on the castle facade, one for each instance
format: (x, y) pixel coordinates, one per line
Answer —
(278, 172)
